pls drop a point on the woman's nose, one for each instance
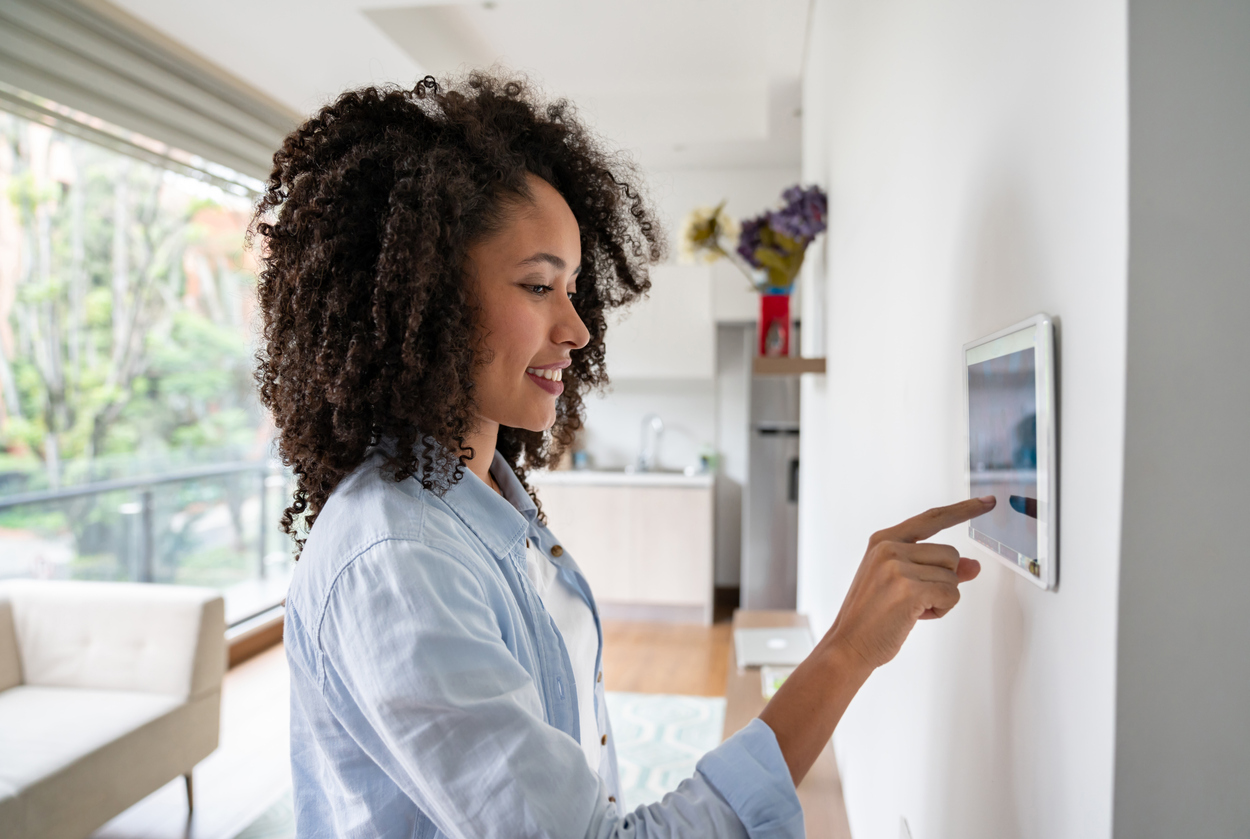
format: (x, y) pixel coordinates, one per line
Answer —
(570, 329)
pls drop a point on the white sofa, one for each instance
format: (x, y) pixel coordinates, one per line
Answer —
(108, 691)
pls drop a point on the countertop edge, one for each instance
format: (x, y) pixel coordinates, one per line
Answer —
(591, 477)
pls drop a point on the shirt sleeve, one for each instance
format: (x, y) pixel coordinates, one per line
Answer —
(415, 664)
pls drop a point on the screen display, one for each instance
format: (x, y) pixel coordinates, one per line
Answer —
(1002, 429)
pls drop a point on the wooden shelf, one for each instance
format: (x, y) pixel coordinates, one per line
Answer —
(787, 366)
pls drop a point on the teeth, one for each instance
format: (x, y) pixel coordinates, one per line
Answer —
(549, 375)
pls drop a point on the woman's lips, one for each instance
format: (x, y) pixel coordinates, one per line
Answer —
(546, 378)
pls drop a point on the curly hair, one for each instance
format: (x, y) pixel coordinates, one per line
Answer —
(368, 328)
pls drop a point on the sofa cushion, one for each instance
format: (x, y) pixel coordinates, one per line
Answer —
(43, 730)
(78, 797)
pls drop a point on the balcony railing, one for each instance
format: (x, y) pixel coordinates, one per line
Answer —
(214, 526)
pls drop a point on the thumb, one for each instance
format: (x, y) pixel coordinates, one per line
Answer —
(968, 569)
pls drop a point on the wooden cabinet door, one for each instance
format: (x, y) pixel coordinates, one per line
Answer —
(593, 524)
(671, 545)
(645, 545)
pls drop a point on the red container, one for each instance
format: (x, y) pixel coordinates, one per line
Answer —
(774, 324)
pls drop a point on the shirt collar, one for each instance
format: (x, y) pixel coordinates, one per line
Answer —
(499, 522)
(512, 489)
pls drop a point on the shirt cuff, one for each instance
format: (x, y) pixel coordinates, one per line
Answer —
(750, 773)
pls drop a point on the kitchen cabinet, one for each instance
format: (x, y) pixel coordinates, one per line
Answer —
(670, 334)
(643, 541)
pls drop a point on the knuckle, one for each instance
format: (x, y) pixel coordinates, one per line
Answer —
(896, 569)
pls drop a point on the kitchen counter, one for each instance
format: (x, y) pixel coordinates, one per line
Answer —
(597, 477)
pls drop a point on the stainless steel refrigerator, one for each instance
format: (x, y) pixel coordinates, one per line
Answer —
(770, 516)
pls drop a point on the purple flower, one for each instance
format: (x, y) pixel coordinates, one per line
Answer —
(775, 241)
(804, 213)
(750, 239)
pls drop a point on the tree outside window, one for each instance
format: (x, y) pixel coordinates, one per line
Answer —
(126, 346)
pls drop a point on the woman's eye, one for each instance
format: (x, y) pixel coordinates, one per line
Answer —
(541, 290)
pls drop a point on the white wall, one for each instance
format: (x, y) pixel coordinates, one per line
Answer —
(614, 421)
(1183, 721)
(976, 153)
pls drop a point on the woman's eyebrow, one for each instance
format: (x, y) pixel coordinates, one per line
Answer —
(548, 258)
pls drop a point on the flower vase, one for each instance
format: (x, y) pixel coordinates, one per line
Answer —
(774, 325)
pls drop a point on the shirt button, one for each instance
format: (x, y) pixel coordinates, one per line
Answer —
(603, 741)
(612, 798)
(527, 544)
(600, 679)
(556, 550)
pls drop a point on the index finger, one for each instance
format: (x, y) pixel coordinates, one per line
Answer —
(932, 522)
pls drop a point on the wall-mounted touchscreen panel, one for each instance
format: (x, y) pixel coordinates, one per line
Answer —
(1009, 382)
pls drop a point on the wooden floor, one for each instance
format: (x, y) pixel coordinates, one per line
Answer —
(250, 768)
(666, 658)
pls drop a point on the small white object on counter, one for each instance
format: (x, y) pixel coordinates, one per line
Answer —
(771, 679)
(786, 646)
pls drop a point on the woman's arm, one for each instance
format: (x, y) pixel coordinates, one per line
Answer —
(417, 673)
(898, 583)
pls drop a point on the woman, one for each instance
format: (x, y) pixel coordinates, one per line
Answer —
(437, 269)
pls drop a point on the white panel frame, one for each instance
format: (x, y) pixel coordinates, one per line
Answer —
(1036, 332)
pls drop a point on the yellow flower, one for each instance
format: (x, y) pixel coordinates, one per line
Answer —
(706, 234)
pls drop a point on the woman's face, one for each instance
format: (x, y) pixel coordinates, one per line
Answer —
(523, 278)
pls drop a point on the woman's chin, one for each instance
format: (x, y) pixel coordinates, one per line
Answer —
(537, 424)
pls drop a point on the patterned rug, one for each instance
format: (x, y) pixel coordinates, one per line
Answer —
(659, 739)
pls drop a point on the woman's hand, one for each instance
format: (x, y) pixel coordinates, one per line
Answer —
(900, 582)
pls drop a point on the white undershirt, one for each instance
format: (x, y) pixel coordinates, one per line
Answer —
(577, 625)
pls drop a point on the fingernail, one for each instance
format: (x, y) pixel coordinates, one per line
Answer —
(986, 499)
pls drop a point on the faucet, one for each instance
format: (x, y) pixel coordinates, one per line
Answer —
(652, 431)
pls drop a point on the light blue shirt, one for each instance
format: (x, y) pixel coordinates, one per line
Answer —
(432, 696)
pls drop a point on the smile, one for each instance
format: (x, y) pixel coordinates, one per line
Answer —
(547, 378)
(550, 375)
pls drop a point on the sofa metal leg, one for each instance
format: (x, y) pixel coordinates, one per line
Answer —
(190, 795)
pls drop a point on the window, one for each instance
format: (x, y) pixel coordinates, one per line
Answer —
(132, 446)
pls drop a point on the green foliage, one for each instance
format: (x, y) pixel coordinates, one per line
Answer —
(781, 256)
(45, 521)
(119, 350)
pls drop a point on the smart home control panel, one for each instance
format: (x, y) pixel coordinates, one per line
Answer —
(1009, 386)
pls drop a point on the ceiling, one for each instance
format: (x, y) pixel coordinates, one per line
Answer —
(680, 83)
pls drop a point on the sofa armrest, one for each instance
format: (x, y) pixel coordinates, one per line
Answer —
(119, 636)
(10, 663)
